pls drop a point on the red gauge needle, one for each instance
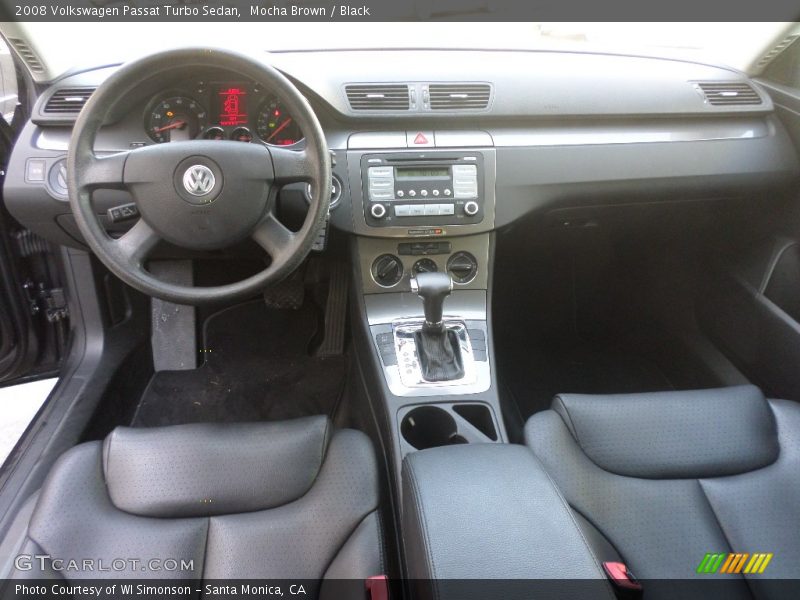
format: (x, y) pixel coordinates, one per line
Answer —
(283, 126)
(173, 125)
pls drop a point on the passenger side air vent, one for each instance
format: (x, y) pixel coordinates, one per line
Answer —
(777, 49)
(68, 100)
(377, 96)
(459, 96)
(27, 55)
(728, 93)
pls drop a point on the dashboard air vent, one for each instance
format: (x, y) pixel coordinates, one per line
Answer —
(377, 96)
(729, 93)
(777, 49)
(27, 55)
(459, 96)
(68, 100)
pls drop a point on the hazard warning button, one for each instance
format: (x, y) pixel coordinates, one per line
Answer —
(417, 139)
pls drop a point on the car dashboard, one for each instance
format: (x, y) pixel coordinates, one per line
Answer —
(556, 134)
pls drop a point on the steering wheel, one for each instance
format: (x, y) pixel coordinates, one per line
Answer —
(198, 194)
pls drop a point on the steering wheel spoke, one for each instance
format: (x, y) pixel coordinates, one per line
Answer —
(290, 166)
(105, 172)
(135, 245)
(273, 236)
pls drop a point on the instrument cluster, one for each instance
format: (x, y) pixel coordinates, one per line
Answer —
(220, 110)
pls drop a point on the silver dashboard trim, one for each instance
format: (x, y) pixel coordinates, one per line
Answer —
(646, 133)
(467, 305)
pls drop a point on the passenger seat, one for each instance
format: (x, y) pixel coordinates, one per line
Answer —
(659, 480)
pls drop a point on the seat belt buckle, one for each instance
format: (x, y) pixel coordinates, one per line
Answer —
(624, 582)
(377, 587)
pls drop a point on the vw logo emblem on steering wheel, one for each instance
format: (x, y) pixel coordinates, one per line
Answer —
(198, 180)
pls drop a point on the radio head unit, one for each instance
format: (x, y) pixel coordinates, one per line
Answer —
(423, 189)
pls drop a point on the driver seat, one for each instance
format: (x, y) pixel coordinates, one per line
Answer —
(291, 500)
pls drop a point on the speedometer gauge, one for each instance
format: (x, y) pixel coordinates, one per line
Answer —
(176, 118)
(275, 126)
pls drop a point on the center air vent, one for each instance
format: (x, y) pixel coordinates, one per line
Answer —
(729, 93)
(68, 100)
(459, 96)
(377, 96)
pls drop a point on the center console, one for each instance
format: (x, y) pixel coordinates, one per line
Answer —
(423, 219)
(471, 505)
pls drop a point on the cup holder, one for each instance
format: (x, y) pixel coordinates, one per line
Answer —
(429, 427)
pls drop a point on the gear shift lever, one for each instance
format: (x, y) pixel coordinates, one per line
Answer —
(438, 349)
(433, 288)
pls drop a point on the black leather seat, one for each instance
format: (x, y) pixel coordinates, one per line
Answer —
(291, 500)
(661, 479)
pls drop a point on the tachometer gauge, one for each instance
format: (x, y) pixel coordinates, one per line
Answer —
(176, 118)
(275, 126)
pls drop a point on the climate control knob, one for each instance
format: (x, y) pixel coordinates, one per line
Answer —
(387, 270)
(462, 267)
(471, 208)
(378, 211)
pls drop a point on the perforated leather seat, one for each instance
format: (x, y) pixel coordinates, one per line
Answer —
(291, 500)
(662, 479)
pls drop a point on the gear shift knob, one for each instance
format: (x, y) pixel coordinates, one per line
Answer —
(433, 288)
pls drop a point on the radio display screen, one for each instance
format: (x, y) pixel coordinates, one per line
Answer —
(421, 172)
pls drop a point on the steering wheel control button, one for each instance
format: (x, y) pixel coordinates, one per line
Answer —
(471, 208)
(126, 212)
(378, 211)
(387, 270)
(198, 180)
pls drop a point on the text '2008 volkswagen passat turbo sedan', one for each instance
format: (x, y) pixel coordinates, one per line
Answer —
(446, 311)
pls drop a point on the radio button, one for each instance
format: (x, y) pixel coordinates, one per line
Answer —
(423, 193)
(466, 192)
(447, 192)
(412, 193)
(417, 210)
(378, 195)
(446, 209)
(381, 172)
(400, 193)
(431, 210)
(402, 210)
(435, 192)
(380, 183)
(465, 170)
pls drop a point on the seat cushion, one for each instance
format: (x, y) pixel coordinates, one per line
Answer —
(673, 435)
(211, 469)
(663, 488)
(287, 500)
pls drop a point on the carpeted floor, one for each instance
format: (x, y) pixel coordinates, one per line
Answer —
(257, 367)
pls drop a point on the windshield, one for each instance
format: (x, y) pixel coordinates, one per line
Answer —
(732, 44)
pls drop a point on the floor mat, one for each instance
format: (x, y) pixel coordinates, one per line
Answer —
(257, 367)
(545, 368)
